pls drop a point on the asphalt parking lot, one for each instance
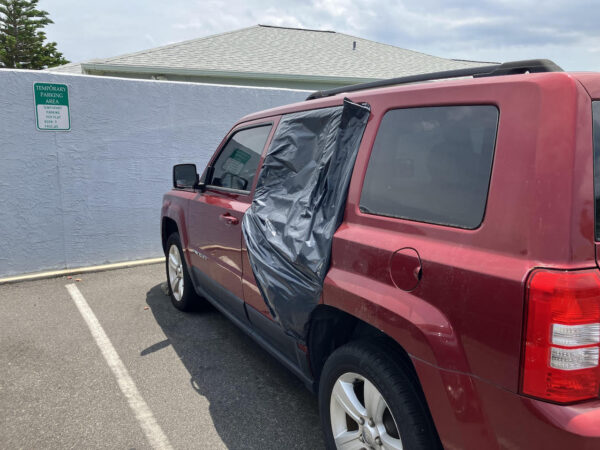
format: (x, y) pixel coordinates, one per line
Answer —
(205, 382)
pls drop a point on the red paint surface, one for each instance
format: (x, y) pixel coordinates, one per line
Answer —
(462, 324)
(218, 240)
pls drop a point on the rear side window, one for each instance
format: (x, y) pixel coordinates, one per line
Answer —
(596, 118)
(236, 165)
(432, 165)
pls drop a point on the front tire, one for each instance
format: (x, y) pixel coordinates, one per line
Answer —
(183, 295)
(368, 399)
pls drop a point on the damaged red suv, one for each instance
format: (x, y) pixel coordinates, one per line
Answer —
(423, 255)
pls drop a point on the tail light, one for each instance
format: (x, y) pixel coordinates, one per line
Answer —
(562, 338)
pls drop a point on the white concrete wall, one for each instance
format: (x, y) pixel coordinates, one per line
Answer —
(92, 195)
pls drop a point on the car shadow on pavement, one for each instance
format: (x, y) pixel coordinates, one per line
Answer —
(254, 401)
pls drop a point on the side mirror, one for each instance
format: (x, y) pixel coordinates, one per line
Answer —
(185, 176)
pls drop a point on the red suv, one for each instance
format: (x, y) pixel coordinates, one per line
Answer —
(422, 255)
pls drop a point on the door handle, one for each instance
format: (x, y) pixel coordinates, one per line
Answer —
(229, 219)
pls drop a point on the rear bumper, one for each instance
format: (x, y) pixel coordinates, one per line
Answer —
(521, 422)
(580, 420)
(472, 414)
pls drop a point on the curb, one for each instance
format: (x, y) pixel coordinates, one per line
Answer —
(78, 270)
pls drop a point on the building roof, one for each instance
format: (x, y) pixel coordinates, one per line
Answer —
(284, 52)
(67, 68)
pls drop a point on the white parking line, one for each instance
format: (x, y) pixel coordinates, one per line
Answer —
(155, 435)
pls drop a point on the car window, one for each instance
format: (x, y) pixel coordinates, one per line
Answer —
(432, 165)
(236, 165)
(596, 119)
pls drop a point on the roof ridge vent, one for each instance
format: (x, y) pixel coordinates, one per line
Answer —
(295, 28)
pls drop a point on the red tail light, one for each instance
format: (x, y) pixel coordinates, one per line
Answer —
(562, 338)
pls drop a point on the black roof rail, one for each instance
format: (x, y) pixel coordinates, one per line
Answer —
(509, 68)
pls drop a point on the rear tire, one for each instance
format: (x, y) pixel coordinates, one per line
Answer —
(183, 295)
(369, 399)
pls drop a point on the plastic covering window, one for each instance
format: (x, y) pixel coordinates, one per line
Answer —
(298, 204)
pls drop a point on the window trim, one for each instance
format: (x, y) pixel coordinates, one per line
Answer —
(374, 215)
(230, 136)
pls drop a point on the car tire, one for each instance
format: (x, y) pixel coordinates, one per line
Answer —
(181, 290)
(370, 398)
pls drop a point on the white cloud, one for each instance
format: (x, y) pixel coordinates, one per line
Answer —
(566, 31)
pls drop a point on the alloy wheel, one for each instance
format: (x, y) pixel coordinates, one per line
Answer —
(360, 416)
(176, 272)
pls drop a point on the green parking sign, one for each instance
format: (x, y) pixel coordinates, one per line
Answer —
(52, 106)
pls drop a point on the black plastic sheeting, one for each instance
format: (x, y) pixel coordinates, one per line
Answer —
(298, 205)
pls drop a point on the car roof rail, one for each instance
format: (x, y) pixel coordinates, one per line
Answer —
(508, 68)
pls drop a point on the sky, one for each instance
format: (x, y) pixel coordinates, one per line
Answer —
(568, 32)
